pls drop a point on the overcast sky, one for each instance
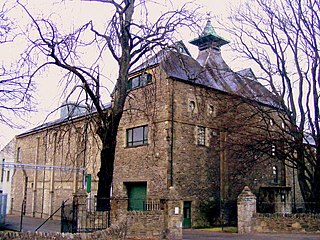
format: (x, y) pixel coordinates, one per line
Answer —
(69, 14)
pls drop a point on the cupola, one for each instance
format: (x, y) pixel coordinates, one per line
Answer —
(209, 39)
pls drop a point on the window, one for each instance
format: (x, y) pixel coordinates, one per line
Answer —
(18, 154)
(271, 122)
(192, 106)
(201, 136)
(8, 176)
(273, 150)
(275, 174)
(212, 110)
(137, 136)
(139, 81)
(2, 170)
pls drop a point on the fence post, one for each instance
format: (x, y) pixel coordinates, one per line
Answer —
(246, 209)
(80, 211)
(175, 209)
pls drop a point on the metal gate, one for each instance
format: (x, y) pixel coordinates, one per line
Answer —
(69, 217)
(83, 218)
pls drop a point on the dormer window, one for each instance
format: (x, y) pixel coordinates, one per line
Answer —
(139, 81)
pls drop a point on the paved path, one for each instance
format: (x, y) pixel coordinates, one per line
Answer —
(207, 235)
(31, 224)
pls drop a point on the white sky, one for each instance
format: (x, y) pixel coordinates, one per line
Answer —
(68, 14)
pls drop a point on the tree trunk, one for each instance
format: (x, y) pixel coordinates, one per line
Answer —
(108, 136)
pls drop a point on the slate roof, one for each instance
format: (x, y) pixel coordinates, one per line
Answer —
(210, 70)
(60, 121)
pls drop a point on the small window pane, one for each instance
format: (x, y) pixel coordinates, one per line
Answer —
(145, 79)
(192, 106)
(129, 135)
(275, 174)
(129, 83)
(137, 136)
(201, 136)
(145, 135)
(135, 82)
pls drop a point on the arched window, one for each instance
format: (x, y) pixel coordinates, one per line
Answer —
(275, 174)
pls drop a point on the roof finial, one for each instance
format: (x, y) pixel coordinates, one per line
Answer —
(209, 16)
(209, 37)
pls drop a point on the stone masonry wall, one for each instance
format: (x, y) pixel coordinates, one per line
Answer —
(60, 145)
(251, 222)
(204, 174)
(286, 223)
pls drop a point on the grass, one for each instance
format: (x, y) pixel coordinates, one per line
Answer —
(219, 229)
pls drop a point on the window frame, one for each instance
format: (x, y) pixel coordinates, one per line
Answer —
(130, 138)
(140, 80)
(201, 136)
(275, 174)
(212, 110)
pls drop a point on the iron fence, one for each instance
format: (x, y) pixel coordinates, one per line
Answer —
(288, 207)
(77, 217)
(3, 208)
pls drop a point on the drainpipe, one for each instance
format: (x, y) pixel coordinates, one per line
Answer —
(51, 190)
(44, 173)
(294, 189)
(35, 180)
(172, 133)
(84, 155)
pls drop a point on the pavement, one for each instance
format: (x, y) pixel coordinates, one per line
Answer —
(13, 222)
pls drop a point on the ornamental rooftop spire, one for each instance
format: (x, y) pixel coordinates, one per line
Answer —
(209, 38)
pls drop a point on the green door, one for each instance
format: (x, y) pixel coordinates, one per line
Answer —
(137, 194)
(186, 215)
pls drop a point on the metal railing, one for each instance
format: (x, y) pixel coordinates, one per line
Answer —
(288, 207)
(3, 208)
(76, 217)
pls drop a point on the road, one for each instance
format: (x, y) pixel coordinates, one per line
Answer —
(207, 235)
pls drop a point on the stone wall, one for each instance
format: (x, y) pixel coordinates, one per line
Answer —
(134, 225)
(165, 223)
(149, 224)
(286, 223)
(251, 222)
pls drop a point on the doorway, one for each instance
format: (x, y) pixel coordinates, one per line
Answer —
(186, 215)
(137, 195)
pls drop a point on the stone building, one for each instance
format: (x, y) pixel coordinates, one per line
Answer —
(190, 126)
(197, 126)
(53, 161)
(7, 156)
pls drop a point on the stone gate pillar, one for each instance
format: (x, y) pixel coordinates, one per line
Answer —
(175, 215)
(80, 200)
(246, 209)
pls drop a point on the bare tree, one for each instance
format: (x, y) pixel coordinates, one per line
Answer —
(128, 36)
(15, 92)
(282, 38)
